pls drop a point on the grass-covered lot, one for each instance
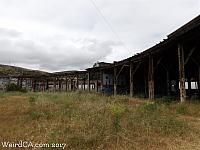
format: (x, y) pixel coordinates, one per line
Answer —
(94, 121)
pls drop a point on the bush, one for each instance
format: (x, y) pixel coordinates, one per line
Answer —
(116, 110)
(14, 88)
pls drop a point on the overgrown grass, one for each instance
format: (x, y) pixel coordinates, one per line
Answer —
(94, 121)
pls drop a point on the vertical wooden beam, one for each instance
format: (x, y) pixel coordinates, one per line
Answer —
(60, 84)
(81, 85)
(168, 83)
(47, 84)
(71, 84)
(88, 81)
(34, 85)
(189, 86)
(19, 82)
(54, 84)
(84, 84)
(145, 86)
(115, 81)
(77, 82)
(199, 79)
(131, 79)
(181, 72)
(101, 80)
(66, 84)
(96, 86)
(151, 78)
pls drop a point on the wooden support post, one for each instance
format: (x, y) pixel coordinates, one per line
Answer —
(168, 83)
(66, 84)
(71, 84)
(19, 82)
(88, 81)
(96, 86)
(101, 80)
(54, 84)
(145, 86)
(199, 79)
(189, 86)
(181, 72)
(77, 82)
(47, 84)
(43, 88)
(34, 85)
(84, 84)
(115, 81)
(151, 78)
(60, 84)
(81, 85)
(131, 79)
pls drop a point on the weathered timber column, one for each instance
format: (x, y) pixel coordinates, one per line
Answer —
(189, 87)
(101, 80)
(77, 82)
(71, 84)
(34, 85)
(96, 85)
(88, 81)
(181, 72)
(199, 79)
(19, 82)
(54, 84)
(115, 81)
(59, 84)
(151, 78)
(131, 79)
(84, 84)
(47, 84)
(66, 84)
(168, 83)
(81, 85)
(145, 85)
(43, 86)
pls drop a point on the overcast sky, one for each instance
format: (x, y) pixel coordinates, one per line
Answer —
(55, 35)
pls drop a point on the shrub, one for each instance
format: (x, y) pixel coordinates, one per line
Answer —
(14, 88)
(116, 110)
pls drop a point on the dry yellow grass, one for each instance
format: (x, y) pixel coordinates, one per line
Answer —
(94, 121)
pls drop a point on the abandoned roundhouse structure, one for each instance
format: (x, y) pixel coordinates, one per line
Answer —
(170, 68)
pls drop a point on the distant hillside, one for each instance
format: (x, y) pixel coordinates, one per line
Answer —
(6, 70)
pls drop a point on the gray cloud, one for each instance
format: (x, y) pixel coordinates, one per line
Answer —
(59, 35)
(55, 57)
(9, 33)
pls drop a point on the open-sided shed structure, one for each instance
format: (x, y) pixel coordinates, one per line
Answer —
(170, 68)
